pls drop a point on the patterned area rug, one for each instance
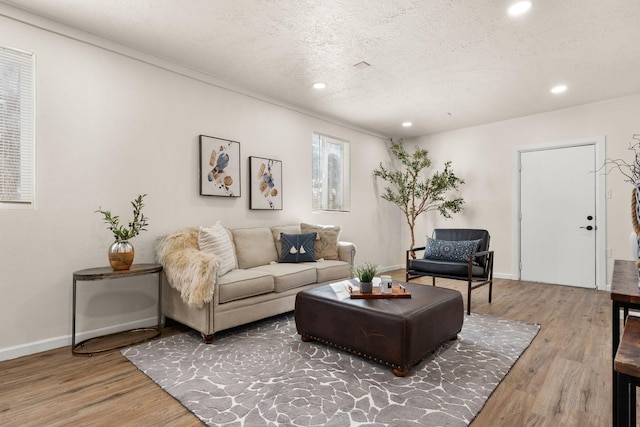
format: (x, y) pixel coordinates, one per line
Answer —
(263, 374)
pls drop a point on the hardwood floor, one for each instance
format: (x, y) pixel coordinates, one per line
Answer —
(563, 378)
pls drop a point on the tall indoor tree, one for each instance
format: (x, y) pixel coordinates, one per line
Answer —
(415, 189)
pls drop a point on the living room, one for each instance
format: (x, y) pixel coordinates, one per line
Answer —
(114, 122)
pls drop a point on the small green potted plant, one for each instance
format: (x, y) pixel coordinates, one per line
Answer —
(365, 273)
(121, 251)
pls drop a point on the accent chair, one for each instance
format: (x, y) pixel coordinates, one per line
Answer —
(454, 253)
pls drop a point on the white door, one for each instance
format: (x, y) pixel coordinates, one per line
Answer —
(558, 209)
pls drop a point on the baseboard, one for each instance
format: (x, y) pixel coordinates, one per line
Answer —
(14, 352)
(391, 268)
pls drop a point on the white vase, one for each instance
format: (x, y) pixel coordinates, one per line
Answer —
(637, 201)
(633, 245)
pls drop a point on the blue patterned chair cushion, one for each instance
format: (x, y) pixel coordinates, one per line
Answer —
(455, 251)
(297, 247)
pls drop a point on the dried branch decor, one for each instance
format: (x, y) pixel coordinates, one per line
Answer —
(630, 170)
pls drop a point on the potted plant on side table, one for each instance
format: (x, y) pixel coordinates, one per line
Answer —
(121, 252)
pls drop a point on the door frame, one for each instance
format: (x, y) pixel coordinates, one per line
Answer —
(599, 143)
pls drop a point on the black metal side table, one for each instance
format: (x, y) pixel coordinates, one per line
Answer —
(123, 338)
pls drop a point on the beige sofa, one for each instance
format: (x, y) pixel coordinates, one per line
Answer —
(196, 294)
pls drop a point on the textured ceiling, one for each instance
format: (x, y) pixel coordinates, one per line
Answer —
(441, 64)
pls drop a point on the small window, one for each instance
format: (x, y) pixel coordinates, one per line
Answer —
(331, 179)
(16, 128)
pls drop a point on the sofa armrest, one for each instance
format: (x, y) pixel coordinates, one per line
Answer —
(188, 269)
(347, 252)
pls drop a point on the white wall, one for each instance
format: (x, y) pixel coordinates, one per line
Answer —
(482, 155)
(110, 127)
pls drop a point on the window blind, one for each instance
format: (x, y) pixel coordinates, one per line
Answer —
(16, 126)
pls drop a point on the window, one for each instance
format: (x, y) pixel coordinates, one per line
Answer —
(16, 127)
(331, 179)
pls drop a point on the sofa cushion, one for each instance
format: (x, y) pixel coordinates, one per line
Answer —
(277, 230)
(216, 240)
(450, 250)
(445, 268)
(328, 270)
(239, 284)
(297, 247)
(254, 246)
(289, 276)
(327, 241)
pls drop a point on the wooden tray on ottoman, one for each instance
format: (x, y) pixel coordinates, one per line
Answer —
(396, 292)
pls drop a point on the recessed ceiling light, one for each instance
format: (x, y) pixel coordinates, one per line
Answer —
(319, 85)
(519, 8)
(559, 89)
(407, 124)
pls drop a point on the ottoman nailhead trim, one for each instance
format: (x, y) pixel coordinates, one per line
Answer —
(357, 353)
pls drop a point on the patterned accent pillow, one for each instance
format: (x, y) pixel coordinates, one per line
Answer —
(277, 230)
(327, 240)
(445, 250)
(216, 240)
(297, 247)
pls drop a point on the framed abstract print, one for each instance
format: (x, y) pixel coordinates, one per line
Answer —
(219, 167)
(265, 183)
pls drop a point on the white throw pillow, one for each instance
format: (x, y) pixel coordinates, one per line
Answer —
(216, 240)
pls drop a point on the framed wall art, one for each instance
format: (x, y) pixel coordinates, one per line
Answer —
(219, 167)
(265, 183)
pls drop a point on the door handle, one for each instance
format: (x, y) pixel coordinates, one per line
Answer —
(588, 227)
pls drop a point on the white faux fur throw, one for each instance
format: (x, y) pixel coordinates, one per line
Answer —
(188, 269)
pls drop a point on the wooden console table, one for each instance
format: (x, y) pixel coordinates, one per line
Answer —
(123, 338)
(625, 295)
(627, 367)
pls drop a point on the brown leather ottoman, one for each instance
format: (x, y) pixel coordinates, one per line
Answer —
(397, 332)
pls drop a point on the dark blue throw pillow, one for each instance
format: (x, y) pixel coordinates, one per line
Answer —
(446, 250)
(298, 247)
